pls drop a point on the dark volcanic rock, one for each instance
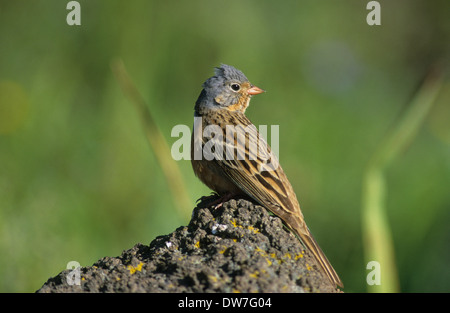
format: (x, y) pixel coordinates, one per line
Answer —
(238, 247)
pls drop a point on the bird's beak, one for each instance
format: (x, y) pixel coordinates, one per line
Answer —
(255, 90)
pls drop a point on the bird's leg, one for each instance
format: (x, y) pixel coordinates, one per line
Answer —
(216, 200)
(209, 198)
(224, 198)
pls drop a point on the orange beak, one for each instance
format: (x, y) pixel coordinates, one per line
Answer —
(255, 90)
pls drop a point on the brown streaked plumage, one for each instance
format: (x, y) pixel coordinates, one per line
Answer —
(223, 102)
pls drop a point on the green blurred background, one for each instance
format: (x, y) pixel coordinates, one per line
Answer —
(78, 180)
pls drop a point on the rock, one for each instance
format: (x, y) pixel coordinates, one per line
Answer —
(239, 247)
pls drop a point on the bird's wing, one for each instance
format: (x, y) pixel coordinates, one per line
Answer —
(247, 160)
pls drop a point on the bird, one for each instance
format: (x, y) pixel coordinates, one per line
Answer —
(229, 164)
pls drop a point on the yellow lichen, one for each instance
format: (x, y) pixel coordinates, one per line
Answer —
(258, 249)
(253, 229)
(212, 278)
(133, 269)
(223, 251)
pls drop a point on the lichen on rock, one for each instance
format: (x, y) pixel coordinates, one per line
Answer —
(239, 247)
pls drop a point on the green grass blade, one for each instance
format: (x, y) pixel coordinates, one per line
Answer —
(157, 142)
(378, 242)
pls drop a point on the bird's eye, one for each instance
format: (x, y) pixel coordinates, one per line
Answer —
(235, 87)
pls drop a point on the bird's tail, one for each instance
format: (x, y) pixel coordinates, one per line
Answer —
(309, 241)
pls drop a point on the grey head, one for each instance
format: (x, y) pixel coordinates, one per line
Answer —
(228, 89)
